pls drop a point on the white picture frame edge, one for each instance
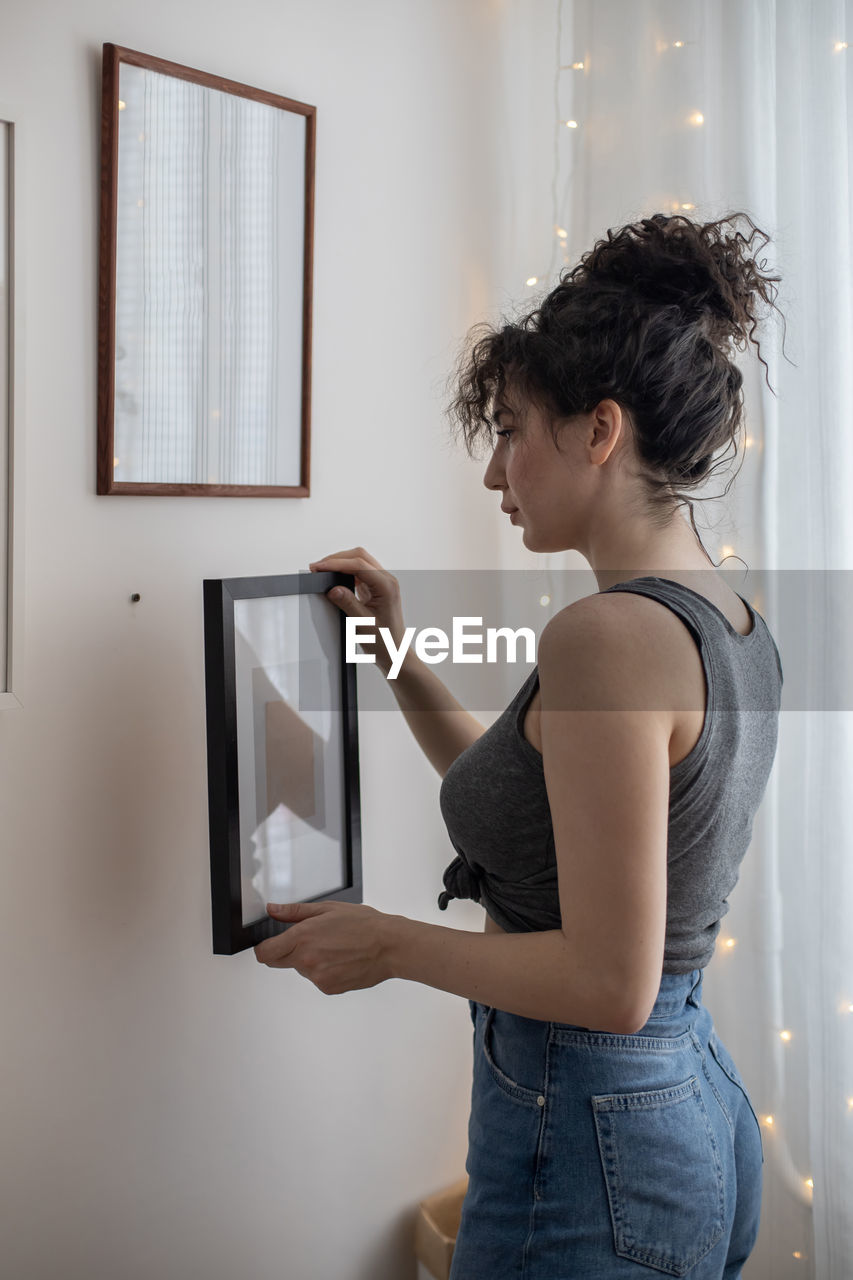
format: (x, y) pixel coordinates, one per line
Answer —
(12, 613)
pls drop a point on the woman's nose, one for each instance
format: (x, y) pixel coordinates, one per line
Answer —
(493, 475)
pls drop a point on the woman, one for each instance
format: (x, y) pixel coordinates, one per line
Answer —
(602, 818)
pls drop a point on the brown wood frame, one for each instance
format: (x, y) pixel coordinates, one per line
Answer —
(113, 56)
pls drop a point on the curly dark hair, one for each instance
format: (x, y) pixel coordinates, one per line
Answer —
(647, 318)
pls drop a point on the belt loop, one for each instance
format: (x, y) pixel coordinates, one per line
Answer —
(694, 988)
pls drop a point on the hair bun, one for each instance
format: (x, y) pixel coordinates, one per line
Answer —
(672, 261)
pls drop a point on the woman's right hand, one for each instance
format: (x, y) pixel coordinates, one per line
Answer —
(377, 595)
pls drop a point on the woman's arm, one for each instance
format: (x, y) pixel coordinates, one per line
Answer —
(536, 975)
(345, 946)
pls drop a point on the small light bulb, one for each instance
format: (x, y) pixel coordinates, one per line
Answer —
(544, 600)
(810, 1183)
(571, 124)
(115, 462)
(696, 118)
(688, 205)
(726, 551)
(850, 1103)
(730, 942)
(850, 1008)
(839, 45)
(531, 280)
(796, 1254)
(768, 1120)
(577, 66)
(678, 44)
(562, 233)
(121, 105)
(748, 442)
(784, 1035)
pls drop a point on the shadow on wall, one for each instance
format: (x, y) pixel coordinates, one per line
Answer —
(392, 1256)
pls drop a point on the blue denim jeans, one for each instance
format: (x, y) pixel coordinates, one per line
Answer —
(597, 1156)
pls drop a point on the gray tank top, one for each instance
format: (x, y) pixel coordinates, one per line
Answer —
(495, 805)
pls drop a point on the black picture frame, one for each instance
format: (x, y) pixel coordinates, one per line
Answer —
(233, 753)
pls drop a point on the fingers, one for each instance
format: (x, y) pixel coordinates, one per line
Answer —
(351, 564)
(277, 952)
(293, 911)
(378, 584)
(339, 559)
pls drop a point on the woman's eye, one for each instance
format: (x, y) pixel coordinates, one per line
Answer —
(505, 431)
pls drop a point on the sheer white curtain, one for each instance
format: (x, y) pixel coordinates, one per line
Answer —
(714, 106)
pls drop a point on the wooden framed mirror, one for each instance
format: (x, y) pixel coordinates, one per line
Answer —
(206, 258)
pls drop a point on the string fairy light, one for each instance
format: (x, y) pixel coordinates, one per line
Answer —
(560, 122)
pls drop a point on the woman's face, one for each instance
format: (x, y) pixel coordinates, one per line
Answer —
(549, 488)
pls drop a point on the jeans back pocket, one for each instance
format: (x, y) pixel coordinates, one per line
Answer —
(663, 1173)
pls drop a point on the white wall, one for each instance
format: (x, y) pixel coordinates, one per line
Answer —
(167, 1113)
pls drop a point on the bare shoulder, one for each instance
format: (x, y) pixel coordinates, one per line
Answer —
(620, 619)
(622, 646)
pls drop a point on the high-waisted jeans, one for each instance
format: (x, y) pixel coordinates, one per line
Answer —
(597, 1156)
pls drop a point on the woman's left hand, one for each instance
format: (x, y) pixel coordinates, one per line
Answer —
(339, 946)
